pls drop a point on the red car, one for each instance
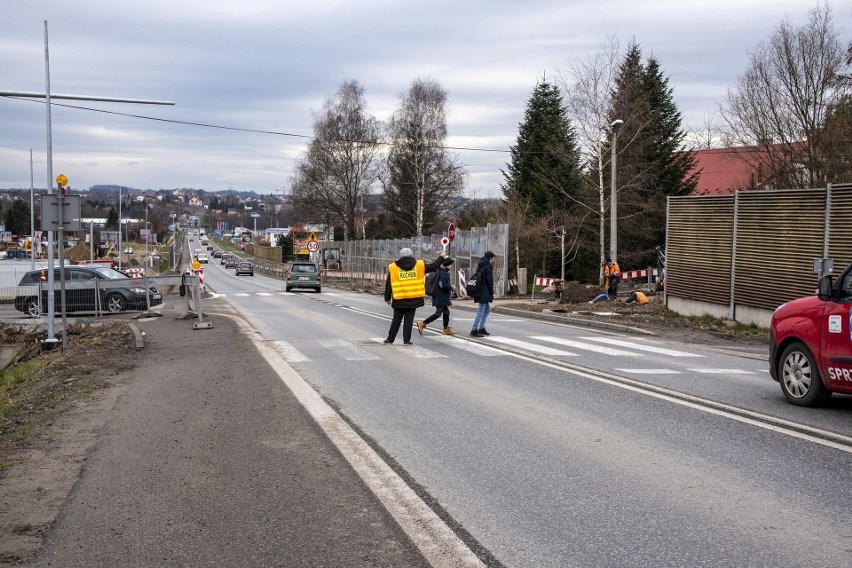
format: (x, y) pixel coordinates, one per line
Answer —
(810, 351)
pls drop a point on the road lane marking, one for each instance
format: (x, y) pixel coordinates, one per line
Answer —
(587, 346)
(641, 347)
(346, 350)
(288, 352)
(723, 371)
(534, 347)
(650, 371)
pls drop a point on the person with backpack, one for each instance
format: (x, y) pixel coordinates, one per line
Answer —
(441, 299)
(484, 294)
(404, 290)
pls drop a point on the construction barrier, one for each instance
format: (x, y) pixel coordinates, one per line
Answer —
(543, 284)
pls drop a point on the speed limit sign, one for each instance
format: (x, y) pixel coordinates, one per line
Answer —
(313, 246)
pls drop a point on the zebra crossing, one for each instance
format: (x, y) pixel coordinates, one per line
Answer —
(436, 347)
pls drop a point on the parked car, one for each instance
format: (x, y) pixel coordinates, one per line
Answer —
(79, 298)
(809, 347)
(230, 262)
(303, 275)
(244, 267)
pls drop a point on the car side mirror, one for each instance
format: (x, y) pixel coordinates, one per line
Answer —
(824, 289)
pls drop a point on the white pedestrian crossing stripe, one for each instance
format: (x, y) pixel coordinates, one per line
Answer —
(468, 346)
(264, 294)
(641, 347)
(587, 346)
(534, 347)
(346, 350)
(415, 350)
(288, 352)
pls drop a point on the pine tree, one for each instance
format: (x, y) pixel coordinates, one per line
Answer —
(544, 165)
(652, 163)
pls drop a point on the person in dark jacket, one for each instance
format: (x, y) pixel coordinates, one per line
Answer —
(484, 294)
(442, 299)
(404, 291)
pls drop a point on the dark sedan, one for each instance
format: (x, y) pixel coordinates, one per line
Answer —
(117, 291)
(244, 267)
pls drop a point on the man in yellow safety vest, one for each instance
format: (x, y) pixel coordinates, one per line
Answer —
(404, 291)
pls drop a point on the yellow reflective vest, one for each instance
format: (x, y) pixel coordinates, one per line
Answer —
(407, 284)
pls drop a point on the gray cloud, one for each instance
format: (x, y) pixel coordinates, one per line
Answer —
(267, 65)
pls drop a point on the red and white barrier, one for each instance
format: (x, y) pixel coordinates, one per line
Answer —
(638, 273)
(134, 272)
(462, 283)
(543, 281)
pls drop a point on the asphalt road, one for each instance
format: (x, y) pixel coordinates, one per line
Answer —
(552, 452)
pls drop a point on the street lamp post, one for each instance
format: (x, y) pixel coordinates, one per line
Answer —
(613, 201)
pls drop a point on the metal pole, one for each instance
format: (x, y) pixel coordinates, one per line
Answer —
(51, 308)
(613, 201)
(32, 215)
(119, 228)
(826, 231)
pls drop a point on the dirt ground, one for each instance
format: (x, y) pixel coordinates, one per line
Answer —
(55, 405)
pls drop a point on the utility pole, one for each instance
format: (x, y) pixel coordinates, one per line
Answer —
(613, 201)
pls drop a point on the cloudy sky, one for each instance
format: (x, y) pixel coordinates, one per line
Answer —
(267, 65)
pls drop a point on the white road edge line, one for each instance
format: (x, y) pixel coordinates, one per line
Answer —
(440, 545)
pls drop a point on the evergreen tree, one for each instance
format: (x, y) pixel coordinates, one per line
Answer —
(544, 168)
(651, 161)
(17, 218)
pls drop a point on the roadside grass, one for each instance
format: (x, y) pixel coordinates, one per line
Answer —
(17, 403)
(738, 328)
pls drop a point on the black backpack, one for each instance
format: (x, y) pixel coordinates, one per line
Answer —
(432, 283)
(471, 286)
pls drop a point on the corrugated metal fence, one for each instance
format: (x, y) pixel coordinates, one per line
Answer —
(741, 256)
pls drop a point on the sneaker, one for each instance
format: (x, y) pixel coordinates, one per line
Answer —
(475, 333)
(388, 341)
(420, 326)
(483, 332)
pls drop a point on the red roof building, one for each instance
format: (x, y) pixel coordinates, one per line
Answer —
(722, 171)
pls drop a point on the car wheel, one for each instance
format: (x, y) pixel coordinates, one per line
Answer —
(318, 289)
(799, 377)
(287, 289)
(33, 307)
(115, 303)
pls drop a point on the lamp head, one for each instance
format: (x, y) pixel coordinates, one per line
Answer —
(616, 123)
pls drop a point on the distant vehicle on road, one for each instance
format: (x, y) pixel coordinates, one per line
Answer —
(112, 299)
(303, 275)
(244, 267)
(202, 257)
(230, 262)
(810, 348)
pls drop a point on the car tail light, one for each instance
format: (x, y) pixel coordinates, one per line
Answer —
(319, 275)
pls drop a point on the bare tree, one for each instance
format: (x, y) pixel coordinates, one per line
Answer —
(779, 105)
(589, 85)
(421, 177)
(342, 162)
(707, 135)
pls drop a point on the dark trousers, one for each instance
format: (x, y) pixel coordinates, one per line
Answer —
(398, 316)
(439, 311)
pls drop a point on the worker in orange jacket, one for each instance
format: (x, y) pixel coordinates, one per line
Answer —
(613, 276)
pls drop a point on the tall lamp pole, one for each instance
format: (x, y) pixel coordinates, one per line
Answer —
(613, 201)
